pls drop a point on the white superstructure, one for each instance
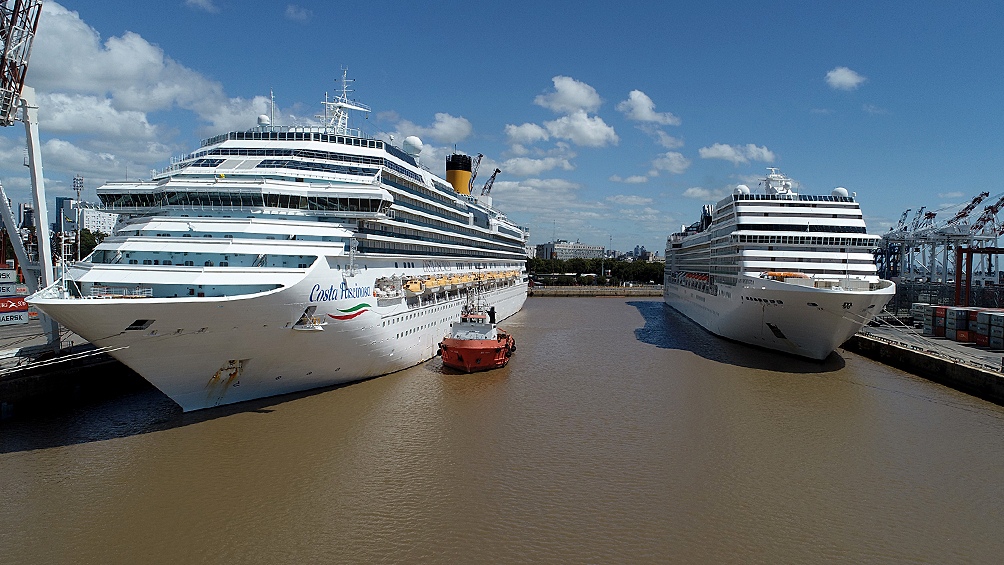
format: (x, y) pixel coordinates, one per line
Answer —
(280, 259)
(781, 270)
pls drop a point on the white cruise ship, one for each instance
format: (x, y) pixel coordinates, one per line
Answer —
(284, 258)
(780, 270)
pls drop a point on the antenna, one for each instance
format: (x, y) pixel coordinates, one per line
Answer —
(336, 117)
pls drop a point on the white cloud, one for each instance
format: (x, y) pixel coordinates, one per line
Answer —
(705, 194)
(518, 149)
(629, 199)
(527, 166)
(65, 155)
(661, 137)
(536, 195)
(525, 133)
(235, 114)
(672, 162)
(654, 218)
(297, 13)
(445, 129)
(581, 129)
(83, 114)
(874, 110)
(842, 78)
(737, 153)
(68, 55)
(633, 179)
(569, 96)
(641, 108)
(207, 5)
(950, 195)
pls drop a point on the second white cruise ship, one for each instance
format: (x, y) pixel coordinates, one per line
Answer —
(778, 269)
(284, 258)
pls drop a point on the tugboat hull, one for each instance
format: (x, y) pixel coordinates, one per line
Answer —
(473, 355)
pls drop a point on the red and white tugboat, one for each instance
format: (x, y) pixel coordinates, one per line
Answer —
(475, 343)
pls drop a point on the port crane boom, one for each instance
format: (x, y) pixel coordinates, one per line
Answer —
(491, 182)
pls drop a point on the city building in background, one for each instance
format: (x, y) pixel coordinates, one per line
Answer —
(25, 216)
(96, 221)
(564, 250)
(90, 218)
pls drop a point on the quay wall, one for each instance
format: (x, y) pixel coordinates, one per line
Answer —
(583, 291)
(978, 380)
(78, 378)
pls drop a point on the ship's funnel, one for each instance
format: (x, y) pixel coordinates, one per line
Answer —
(458, 172)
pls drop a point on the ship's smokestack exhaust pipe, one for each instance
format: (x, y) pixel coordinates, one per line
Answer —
(458, 172)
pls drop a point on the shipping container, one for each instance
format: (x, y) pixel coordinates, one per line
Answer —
(13, 304)
(982, 340)
(983, 329)
(13, 318)
(997, 343)
(951, 333)
(997, 319)
(939, 331)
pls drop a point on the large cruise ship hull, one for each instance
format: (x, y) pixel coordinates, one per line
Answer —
(204, 352)
(801, 320)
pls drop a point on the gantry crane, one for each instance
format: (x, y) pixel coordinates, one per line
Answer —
(964, 213)
(902, 219)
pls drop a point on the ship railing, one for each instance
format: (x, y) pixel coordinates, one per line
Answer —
(120, 292)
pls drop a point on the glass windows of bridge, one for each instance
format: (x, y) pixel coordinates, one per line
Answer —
(224, 199)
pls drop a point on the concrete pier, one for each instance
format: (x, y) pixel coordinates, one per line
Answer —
(34, 379)
(975, 371)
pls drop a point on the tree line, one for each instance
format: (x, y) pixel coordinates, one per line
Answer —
(587, 272)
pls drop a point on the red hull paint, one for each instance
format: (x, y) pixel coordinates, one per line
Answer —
(472, 355)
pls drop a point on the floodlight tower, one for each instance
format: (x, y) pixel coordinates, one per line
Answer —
(78, 186)
(18, 23)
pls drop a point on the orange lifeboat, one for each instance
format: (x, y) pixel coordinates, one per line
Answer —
(780, 276)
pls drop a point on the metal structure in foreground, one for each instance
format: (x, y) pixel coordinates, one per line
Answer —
(18, 23)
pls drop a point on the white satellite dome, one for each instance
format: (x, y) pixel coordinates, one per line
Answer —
(741, 189)
(264, 121)
(839, 191)
(412, 145)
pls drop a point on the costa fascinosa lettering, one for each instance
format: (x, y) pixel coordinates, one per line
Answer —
(342, 292)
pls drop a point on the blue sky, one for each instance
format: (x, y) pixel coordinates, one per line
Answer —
(610, 123)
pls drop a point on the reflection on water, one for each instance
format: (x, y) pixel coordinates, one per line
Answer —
(619, 432)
